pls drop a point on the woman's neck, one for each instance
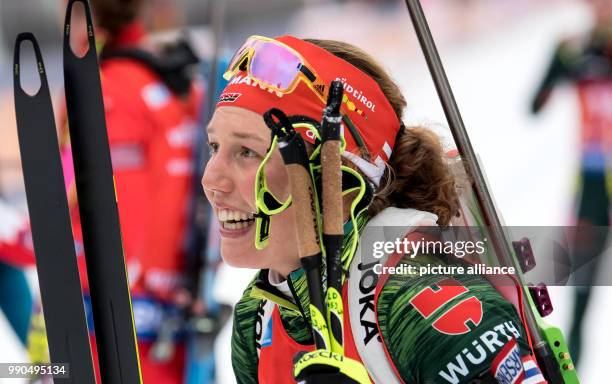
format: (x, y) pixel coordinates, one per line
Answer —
(286, 269)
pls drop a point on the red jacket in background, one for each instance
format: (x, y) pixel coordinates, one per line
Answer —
(151, 133)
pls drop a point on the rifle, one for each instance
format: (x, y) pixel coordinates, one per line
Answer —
(550, 348)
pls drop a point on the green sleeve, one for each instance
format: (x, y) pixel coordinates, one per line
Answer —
(425, 352)
(244, 353)
(559, 69)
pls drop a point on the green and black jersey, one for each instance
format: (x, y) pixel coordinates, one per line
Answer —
(444, 340)
(430, 338)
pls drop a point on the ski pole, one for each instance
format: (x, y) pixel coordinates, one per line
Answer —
(333, 232)
(58, 275)
(547, 360)
(108, 281)
(295, 156)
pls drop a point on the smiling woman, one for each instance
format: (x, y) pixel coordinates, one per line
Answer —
(393, 176)
(238, 140)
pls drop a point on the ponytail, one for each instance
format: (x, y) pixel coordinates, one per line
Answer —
(418, 177)
(417, 174)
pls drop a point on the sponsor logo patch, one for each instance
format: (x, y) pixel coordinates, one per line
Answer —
(507, 366)
(471, 358)
(320, 88)
(229, 97)
(455, 320)
(367, 313)
(533, 375)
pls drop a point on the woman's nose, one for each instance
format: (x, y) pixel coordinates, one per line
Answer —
(216, 177)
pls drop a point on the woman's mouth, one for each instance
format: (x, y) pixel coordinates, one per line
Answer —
(234, 223)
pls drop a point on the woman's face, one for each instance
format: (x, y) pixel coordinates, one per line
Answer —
(238, 141)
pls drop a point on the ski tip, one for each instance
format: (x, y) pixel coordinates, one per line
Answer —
(68, 19)
(26, 36)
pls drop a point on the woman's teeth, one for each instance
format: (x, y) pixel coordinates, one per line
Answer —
(231, 219)
(239, 225)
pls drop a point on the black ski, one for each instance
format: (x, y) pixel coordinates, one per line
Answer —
(58, 275)
(108, 283)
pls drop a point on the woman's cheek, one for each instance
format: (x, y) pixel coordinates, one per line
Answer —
(247, 188)
(277, 177)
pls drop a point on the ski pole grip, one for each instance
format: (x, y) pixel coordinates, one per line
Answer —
(331, 162)
(309, 250)
(332, 187)
(295, 157)
(302, 195)
(40, 66)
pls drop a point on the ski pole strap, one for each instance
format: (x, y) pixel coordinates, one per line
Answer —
(267, 204)
(295, 156)
(58, 276)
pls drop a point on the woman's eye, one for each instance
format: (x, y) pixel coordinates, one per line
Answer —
(213, 148)
(246, 152)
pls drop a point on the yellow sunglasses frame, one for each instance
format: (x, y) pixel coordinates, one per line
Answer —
(245, 54)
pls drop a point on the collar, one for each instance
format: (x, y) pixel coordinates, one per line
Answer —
(298, 303)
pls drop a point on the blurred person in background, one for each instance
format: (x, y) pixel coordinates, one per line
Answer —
(585, 62)
(152, 101)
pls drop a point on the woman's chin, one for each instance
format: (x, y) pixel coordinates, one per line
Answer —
(241, 258)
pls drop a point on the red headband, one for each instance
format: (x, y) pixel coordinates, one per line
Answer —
(370, 112)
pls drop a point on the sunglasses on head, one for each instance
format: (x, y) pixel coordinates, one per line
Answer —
(275, 65)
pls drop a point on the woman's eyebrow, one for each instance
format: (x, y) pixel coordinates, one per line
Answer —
(240, 135)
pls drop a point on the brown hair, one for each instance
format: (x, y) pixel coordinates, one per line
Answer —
(114, 15)
(417, 175)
